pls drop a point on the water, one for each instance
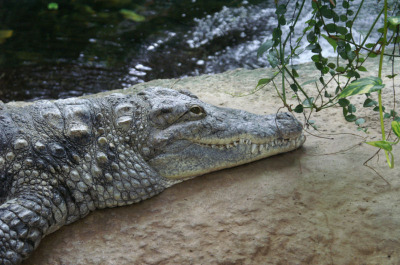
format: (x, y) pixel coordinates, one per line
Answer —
(85, 47)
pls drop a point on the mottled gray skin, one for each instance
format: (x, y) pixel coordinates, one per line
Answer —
(60, 160)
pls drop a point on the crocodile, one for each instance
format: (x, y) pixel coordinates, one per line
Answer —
(62, 159)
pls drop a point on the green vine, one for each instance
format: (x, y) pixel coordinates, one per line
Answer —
(344, 70)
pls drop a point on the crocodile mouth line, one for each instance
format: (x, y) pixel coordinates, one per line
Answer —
(277, 144)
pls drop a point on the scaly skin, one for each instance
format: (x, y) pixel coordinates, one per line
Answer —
(60, 160)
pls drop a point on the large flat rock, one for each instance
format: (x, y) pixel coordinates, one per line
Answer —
(315, 205)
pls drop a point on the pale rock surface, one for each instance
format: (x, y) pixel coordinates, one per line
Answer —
(316, 205)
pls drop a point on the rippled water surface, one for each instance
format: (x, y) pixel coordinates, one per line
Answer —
(84, 47)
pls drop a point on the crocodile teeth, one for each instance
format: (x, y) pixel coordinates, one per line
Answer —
(253, 148)
(241, 141)
(261, 147)
(235, 143)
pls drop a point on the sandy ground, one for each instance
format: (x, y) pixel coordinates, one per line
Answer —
(315, 205)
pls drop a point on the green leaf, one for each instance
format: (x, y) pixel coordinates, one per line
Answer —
(309, 82)
(282, 21)
(326, 12)
(294, 87)
(350, 12)
(315, 58)
(362, 86)
(349, 24)
(377, 108)
(5, 34)
(360, 60)
(52, 6)
(372, 54)
(351, 55)
(311, 46)
(351, 118)
(264, 47)
(362, 69)
(276, 33)
(272, 59)
(360, 121)
(341, 30)
(132, 15)
(331, 65)
(331, 41)
(391, 76)
(280, 10)
(340, 69)
(327, 95)
(263, 81)
(299, 108)
(308, 102)
(369, 103)
(385, 145)
(351, 108)
(294, 73)
(387, 116)
(343, 102)
(396, 128)
(331, 28)
(394, 20)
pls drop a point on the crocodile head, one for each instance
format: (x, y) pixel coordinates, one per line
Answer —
(187, 137)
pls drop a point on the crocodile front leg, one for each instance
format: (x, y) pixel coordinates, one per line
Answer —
(24, 221)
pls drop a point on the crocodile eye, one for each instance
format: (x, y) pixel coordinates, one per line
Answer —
(196, 110)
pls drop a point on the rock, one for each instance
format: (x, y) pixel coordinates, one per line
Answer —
(316, 205)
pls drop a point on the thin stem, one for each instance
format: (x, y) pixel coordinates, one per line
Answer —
(380, 76)
(294, 23)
